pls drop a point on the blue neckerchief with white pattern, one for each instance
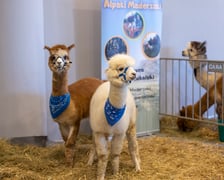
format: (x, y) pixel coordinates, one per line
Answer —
(58, 104)
(113, 114)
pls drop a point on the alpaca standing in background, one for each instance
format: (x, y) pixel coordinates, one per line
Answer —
(113, 114)
(212, 96)
(196, 51)
(68, 104)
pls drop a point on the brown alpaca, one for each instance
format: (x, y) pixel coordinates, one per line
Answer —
(74, 98)
(212, 96)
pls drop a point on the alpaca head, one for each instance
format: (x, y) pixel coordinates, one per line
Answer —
(194, 48)
(185, 124)
(120, 70)
(59, 60)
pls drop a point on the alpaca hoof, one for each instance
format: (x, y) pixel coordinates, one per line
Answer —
(69, 163)
(90, 162)
(138, 168)
(92, 157)
(115, 171)
(100, 177)
(69, 155)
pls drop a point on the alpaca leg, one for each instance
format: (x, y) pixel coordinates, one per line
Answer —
(102, 154)
(92, 156)
(70, 144)
(116, 147)
(219, 110)
(64, 131)
(92, 153)
(133, 146)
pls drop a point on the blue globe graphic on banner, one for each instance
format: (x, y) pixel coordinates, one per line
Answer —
(151, 45)
(133, 24)
(115, 45)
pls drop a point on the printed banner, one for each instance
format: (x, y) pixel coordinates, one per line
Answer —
(134, 27)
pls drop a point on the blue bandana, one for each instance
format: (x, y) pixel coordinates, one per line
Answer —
(113, 114)
(58, 104)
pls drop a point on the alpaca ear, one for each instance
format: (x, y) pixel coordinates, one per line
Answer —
(48, 48)
(202, 47)
(106, 70)
(202, 44)
(71, 46)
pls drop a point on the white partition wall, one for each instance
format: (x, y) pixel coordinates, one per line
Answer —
(22, 71)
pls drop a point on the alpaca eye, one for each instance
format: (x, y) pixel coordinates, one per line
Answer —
(65, 57)
(52, 58)
(121, 69)
(191, 50)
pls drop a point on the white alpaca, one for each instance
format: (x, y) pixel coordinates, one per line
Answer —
(196, 51)
(113, 114)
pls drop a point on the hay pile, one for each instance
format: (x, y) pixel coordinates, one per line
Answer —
(163, 157)
(205, 131)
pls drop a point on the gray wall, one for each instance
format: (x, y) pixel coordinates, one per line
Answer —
(187, 20)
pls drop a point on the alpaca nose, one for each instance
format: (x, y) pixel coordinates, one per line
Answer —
(59, 61)
(133, 75)
(184, 53)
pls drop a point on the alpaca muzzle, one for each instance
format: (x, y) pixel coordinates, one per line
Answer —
(184, 53)
(60, 61)
(133, 76)
(125, 76)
